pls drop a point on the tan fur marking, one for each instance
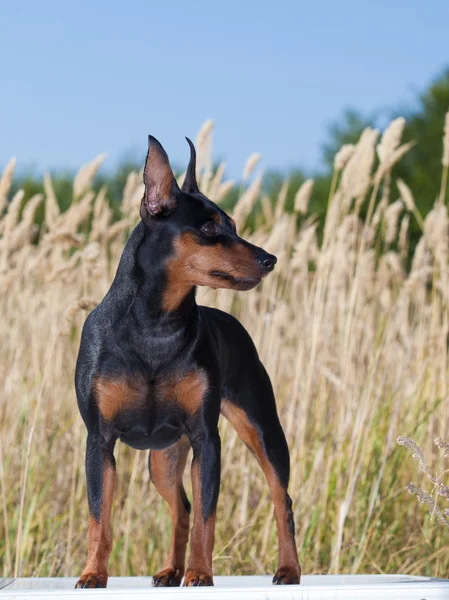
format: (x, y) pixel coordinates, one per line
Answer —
(217, 218)
(251, 438)
(167, 467)
(203, 532)
(188, 391)
(115, 395)
(192, 263)
(100, 534)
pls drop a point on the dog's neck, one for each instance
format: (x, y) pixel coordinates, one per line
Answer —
(142, 273)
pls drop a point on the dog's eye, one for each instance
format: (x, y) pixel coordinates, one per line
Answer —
(209, 228)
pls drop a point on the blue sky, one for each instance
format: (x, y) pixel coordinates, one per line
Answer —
(80, 78)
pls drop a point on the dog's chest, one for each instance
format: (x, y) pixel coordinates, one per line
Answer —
(150, 413)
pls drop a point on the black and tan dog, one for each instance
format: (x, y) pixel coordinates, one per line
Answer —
(155, 370)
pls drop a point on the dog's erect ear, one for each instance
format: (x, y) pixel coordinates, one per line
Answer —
(190, 185)
(161, 189)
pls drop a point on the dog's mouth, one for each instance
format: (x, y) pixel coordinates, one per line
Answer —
(238, 283)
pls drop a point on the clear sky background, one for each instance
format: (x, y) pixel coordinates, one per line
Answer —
(79, 78)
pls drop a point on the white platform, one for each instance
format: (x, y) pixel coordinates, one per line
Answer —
(314, 587)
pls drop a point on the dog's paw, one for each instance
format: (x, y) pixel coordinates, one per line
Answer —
(287, 576)
(167, 578)
(92, 580)
(195, 578)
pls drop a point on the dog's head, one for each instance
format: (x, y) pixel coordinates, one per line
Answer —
(206, 249)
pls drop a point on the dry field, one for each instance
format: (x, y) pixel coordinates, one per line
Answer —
(356, 345)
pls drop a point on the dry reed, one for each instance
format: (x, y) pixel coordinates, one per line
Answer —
(356, 346)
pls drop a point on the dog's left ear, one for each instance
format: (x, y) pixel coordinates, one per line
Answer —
(190, 185)
(161, 190)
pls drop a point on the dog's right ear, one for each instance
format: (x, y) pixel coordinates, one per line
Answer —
(161, 190)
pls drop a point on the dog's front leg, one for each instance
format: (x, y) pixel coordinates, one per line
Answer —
(100, 472)
(205, 486)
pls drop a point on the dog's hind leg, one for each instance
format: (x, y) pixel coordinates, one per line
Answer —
(253, 415)
(166, 469)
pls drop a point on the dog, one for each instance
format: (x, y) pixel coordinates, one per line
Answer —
(155, 370)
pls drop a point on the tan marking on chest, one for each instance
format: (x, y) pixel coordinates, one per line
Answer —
(188, 391)
(115, 395)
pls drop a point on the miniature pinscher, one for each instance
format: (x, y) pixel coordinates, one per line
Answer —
(155, 370)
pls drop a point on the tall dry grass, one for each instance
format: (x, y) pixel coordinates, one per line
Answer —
(356, 345)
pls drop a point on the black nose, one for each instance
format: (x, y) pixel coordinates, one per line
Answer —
(268, 261)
